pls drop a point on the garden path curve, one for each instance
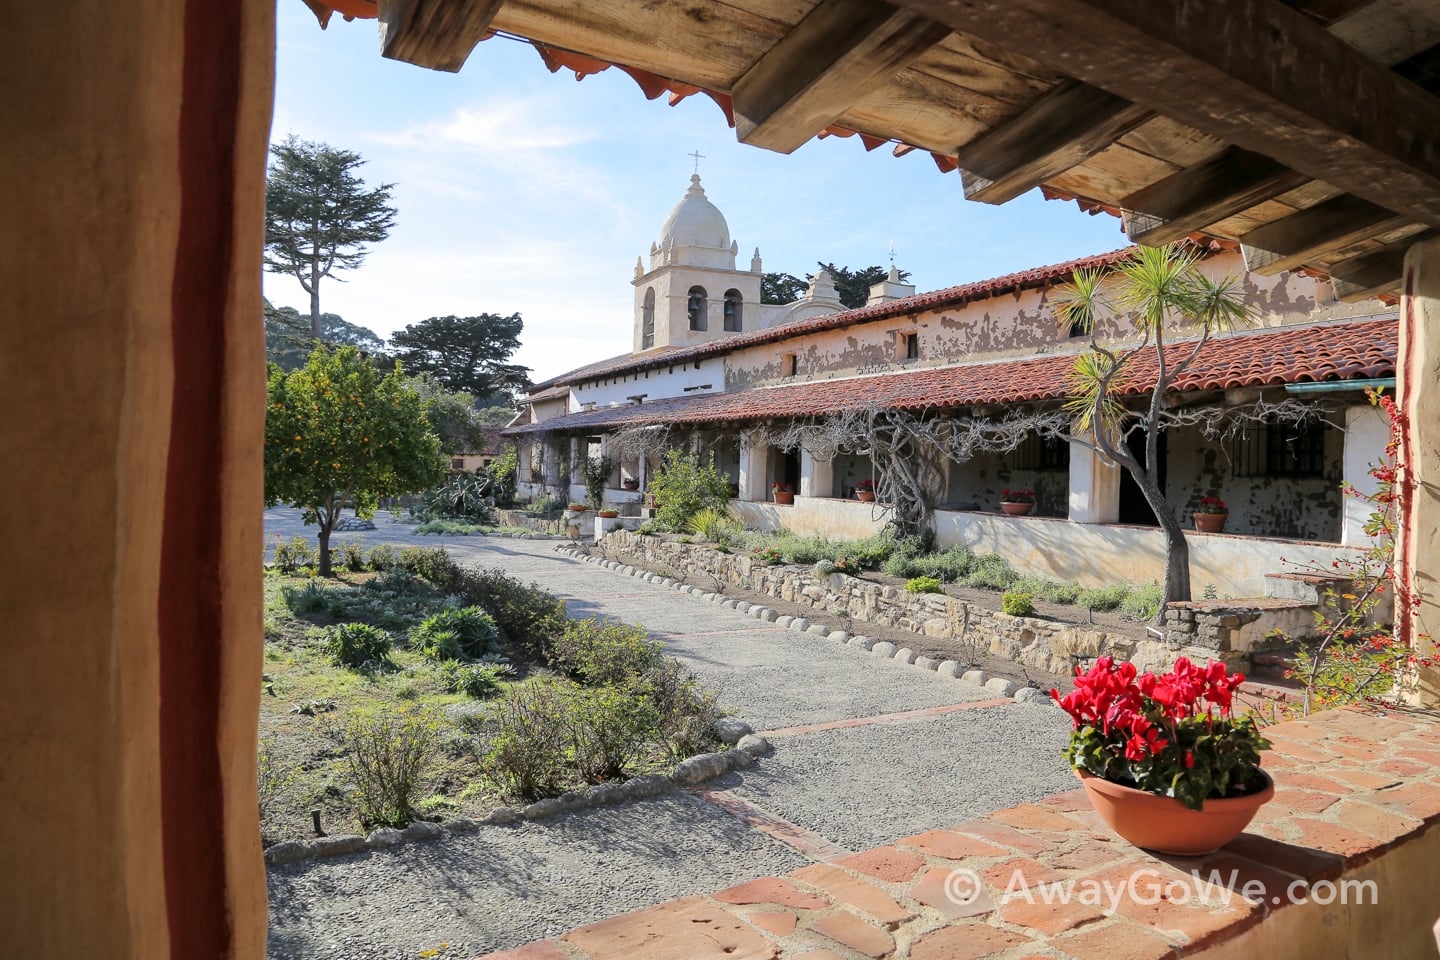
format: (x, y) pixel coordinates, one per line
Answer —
(867, 750)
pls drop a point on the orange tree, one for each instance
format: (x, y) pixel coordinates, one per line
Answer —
(339, 431)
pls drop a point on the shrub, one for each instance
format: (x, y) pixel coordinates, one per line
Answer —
(311, 597)
(1141, 602)
(389, 755)
(1103, 598)
(450, 528)
(352, 555)
(923, 585)
(711, 524)
(431, 563)
(358, 646)
(767, 555)
(1051, 591)
(290, 557)
(452, 634)
(599, 652)
(271, 779)
(382, 557)
(950, 566)
(528, 741)
(823, 568)
(595, 474)
(478, 681)
(685, 711)
(1018, 604)
(849, 565)
(608, 727)
(527, 615)
(683, 486)
(990, 571)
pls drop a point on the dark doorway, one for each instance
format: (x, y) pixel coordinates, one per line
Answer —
(1133, 508)
(791, 469)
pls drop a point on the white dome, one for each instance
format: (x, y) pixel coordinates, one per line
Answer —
(695, 222)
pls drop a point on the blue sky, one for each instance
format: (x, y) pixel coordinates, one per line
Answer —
(524, 191)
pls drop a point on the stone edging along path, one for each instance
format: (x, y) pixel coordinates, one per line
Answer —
(746, 747)
(1000, 686)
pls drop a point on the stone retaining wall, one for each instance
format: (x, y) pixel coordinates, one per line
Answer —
(1220, 632)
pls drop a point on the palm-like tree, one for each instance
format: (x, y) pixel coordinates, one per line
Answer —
(1158, 292)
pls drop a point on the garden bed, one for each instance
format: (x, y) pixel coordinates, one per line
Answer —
(474, 686)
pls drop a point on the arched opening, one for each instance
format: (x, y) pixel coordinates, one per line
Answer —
(734, 308)
(647, 320)
(697, 308)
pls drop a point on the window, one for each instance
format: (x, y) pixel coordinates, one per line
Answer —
(788, 365)
(1280, 450)
(1040, 453)
(1077, 329)
(697, 308)
(733, 311)
(647, 320)
(907, 346)
(457, 464)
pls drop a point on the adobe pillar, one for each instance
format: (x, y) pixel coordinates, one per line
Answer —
(1418, 387)
(134, 410)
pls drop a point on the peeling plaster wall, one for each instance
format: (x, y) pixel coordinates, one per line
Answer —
(1007, 325)
(1295, 508)
(980, 480)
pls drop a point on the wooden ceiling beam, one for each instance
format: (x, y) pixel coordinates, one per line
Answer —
(1374, 273)
(827, 63)
(438, 34)
(1196, 197)
(1062, 128)
(1230, 70)
(1335, 223)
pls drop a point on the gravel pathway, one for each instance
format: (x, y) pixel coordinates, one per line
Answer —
(505, 886)
(857, 786)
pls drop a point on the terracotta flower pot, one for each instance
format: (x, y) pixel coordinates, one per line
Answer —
(865, 496)
(1211, 522)
(1166, 825)
(783, 497)
(630, 484)
(1013, 509)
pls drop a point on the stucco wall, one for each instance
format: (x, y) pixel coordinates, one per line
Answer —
(1093, 554)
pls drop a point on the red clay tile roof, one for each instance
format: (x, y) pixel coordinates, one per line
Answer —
(979, 290)
(1332, 351)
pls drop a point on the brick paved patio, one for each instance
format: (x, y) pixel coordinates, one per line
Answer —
(1357, 797)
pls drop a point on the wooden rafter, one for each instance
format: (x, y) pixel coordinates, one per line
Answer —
(1376, 272)
(1206, 193)
(438, 34)
(1331, 225)
(827, 63)
(1061, 129)
(1230, 70)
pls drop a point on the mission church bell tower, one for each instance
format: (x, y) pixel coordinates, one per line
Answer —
(691, 291)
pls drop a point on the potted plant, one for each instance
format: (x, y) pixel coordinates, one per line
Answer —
(1164, 762)
(575, 510)
(630, 483)
(607, 514)
(1017, 503)
(1210, 515)
(865, 491)
(783, 493)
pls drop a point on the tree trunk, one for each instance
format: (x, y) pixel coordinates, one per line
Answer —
(1177, 548)
(315, 303)
(327, 521)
